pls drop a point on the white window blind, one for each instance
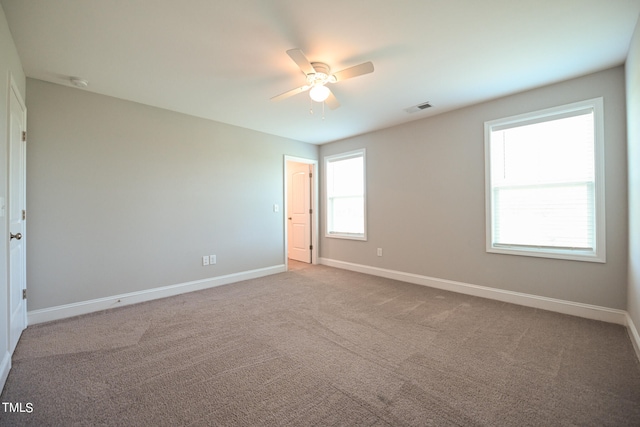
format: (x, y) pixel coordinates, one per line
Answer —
(544, 182)
(345, 192)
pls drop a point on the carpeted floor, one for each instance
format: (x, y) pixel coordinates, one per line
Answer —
(318, 346)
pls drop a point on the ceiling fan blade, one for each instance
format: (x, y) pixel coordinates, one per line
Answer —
(331, 101)
(302, 61)
(290, 93)
(354, 71)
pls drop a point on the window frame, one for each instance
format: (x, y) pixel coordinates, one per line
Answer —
(598, 253)
(337, 157)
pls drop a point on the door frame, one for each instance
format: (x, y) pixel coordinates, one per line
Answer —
(314, 207)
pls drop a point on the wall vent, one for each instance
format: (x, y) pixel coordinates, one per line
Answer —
(418, 107)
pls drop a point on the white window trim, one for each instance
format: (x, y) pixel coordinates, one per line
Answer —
(344, 156)
(599, 252)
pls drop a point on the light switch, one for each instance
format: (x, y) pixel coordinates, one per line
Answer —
(2, 207)
(276, 208)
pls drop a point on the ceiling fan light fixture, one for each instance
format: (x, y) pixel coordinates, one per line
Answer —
(319, 93)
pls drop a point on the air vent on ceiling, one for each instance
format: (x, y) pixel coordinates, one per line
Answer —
(418, 107)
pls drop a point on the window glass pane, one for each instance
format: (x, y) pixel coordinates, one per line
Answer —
(547, 216)
(347, 215)
(551, 151)
(346, 177)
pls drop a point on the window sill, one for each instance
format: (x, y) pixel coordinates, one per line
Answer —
(571, 255)
(347, 236)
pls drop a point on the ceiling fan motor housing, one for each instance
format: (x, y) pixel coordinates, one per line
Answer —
(322, 74)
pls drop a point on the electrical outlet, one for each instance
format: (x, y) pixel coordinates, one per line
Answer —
(379, 251)
(212, 259)
(205, 260)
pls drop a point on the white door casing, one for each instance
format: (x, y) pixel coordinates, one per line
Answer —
(299, 211)
(17, 215)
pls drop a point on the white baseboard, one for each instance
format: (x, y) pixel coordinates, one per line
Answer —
(633, 334)
(85, 307)
(5, 367)
(588, 311)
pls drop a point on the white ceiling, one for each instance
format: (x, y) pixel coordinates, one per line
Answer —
(223, 60)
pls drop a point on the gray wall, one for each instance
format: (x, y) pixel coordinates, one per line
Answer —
(633, 143)
(426, 201)
(10, 65)
(124, 197)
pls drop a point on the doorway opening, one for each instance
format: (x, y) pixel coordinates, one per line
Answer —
(301, 211)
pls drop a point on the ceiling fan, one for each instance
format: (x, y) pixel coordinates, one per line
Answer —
(318, 75)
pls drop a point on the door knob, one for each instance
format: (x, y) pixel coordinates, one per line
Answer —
(16, 236)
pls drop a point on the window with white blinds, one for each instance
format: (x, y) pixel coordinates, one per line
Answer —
(545, 183)
(345, 195)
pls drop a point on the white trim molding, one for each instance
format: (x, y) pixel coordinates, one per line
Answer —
(588, 311)
(589, 247)
(5, 367)
(634, 335)
(90, 306)
(329, 190)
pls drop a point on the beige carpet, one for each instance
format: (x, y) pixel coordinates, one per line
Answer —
(318, 346)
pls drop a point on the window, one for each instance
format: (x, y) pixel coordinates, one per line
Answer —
(345, 193)
(545, 183)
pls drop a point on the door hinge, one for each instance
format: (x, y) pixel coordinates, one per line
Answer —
(311, 247)
(24, 135)
(24, 294)
(24, 214)
(310, 175)
(310, 211)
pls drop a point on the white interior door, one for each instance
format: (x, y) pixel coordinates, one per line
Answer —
(299, 211)
(17, 216)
